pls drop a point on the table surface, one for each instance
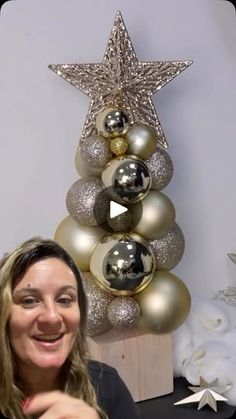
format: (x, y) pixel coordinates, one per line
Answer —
(163, 407)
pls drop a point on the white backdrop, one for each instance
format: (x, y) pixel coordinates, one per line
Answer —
(41, 117)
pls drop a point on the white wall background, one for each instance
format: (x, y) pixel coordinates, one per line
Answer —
(41, 117)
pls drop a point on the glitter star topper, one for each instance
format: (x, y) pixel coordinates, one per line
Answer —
(121, 81)
(206, 394)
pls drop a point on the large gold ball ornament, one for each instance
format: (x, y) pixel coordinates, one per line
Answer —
(78, 240)
(81, 199)
(164, 303)
(142, 141)
(112, 123)
(122, 263)
(119, 146)
(123, 312)
(127, 178)
(98, 303)
(157, 215)
(95, 151)
(168, 249)
(84, 169)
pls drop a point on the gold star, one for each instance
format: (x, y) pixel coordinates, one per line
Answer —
(206, 394)
(121, 81)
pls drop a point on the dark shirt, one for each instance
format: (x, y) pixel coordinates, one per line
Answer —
(112, 394)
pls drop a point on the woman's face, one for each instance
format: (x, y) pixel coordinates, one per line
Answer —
(45, 315)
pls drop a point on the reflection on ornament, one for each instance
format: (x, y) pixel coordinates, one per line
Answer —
(81, 199)
(98, 302)
(160, 167)
(127, 178)
(78, 240)
(95, 151)
(142, 141)
(119, 146)
(123, 312)
(122, 263)
(169, 249)
(157, 215)
(164, 303)
(111, 123)
(84, 169)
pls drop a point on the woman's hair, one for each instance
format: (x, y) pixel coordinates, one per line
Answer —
(74, 372)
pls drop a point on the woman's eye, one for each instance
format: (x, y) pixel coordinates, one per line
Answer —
(29, 301)
(65, 300)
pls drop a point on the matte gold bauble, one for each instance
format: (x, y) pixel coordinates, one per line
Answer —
(142, 141)
(78, 240)
(119, 146)
(127, 178)
(84, 169)
(98, 302)
(157, 215)
(122, 263)
(164, 303)
(112, 122)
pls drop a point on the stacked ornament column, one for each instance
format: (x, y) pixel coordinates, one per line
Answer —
(126, 276)
(125, 261)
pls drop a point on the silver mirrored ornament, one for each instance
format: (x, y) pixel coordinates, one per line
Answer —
(112, 123)
(127, 178)
(122, 263)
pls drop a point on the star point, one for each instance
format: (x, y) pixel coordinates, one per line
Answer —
(120, 80)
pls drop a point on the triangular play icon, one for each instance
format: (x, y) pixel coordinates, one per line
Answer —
(116, 209)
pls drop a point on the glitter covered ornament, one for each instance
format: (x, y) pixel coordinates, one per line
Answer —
(81, 199)
(98, 302)
(123, 312)
(95, 151)
(160, 167)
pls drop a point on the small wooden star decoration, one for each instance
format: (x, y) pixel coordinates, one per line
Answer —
(206, 394)
(121, 81)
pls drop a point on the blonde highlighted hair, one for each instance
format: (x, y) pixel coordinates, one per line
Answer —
(75, 372)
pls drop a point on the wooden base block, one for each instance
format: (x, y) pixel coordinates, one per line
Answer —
(143, 360)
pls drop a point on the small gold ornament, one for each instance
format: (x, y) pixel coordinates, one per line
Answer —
(123, 312)
(78, 240)
(157, 215)
(119, 146)
(164, 303)
(142, 141)
(122, 263)
(127, 178)
(112, 123)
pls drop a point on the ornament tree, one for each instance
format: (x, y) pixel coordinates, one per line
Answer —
(121, 159)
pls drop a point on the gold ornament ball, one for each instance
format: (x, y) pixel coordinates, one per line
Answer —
(165, 303)
(119, 146)
(142, 141)
(98, 303)
(122, 263)
(83, 167)
(112, 122)
(95, 151)
(127, 178)
(157, 215)
(123, 312)
(78, 240)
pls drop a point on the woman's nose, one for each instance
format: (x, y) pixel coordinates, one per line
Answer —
(50, 316)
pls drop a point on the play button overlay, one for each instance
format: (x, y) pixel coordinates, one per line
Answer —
(112, 216)
(116, 209)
